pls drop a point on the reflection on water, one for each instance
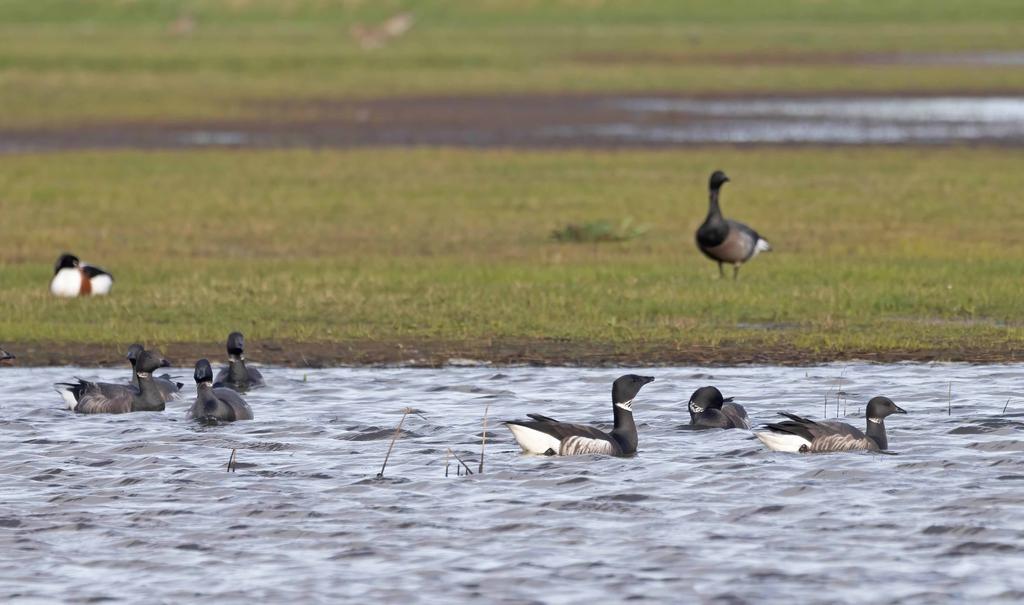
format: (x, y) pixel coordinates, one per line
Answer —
(820, 120)
(1001, 110)
(695, 517)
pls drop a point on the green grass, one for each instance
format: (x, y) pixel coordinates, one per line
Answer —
(74, 62)
(875, 248)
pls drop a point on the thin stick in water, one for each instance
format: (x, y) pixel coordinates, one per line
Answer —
(447, 457)
(394, 438)
(483, 442)
(1007, 405)
(949, 400)
(469, 471)
(232, 465)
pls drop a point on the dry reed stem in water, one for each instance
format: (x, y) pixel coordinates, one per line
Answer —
(394, 438)
(483, 443)
(469, 471)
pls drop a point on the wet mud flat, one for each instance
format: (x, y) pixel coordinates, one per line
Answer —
(539, 121)
(498, 352)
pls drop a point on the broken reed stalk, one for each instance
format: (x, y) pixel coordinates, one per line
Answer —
(232, 464)
(447, 457)
(394, 438)
(1007, 405)
(949, 400)
(838, 389)
(469, 471)
(483, 443)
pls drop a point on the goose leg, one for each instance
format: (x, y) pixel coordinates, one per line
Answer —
(735, 272)
(721, 271)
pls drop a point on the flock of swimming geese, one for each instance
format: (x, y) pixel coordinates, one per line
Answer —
(217, 399)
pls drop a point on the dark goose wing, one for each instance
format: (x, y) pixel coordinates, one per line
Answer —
(737, 415)
(233, 399)
(255, 377)
(540, 418)
(828, 436)
(105, 398)
(551, 437)
(711, 419)
(169, 389)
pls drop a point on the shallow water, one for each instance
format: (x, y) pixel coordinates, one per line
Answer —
(869, 120)
(114, 507)
(572, 121)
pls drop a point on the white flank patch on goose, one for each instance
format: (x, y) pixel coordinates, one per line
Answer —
(69, 398)
(533, 441)
(66, 283)
(782, 442)
(760, 246)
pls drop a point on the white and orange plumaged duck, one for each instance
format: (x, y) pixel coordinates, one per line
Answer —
(72, 278)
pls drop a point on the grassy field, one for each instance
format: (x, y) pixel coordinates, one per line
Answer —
(876, 248)
(75, 62)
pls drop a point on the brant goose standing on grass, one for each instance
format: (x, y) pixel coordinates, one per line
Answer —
(708, 410)
(547, 436)
(104, 398)
(802, 435)
(73, 278)
(724, 240)
(236, 375)
(4, 355)
(213, 403)
(169, 389)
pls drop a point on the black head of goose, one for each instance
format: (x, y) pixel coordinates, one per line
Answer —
(709, 410)
(723, 240)
(169, 389)
(88, 397)
(237, 376)
(4, 355)
(216, 404)
(547, 436)
(72, 278)
(802, 435)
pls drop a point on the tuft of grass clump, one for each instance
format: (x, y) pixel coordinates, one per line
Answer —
(599, 231)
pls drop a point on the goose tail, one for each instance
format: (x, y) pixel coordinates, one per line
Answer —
(782, 442)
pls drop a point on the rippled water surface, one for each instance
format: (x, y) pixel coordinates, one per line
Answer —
(121, 508)
(868, 120)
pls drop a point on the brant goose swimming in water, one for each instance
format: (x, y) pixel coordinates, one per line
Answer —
(213, 403)
(4, 355)
(236, 375)
(104, 398)
(73, 278)
(802, 435)
(724, 240)
(544, 435)
(709, 410)
(169, 389)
